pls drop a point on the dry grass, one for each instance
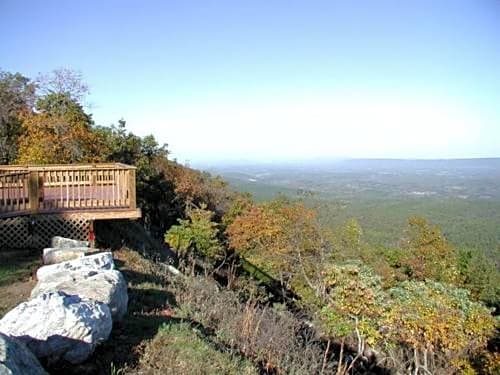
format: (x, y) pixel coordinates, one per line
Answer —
(181, 349)
(276, 340)
(207, 328)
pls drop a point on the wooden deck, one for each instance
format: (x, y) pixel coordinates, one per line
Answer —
(95, 191)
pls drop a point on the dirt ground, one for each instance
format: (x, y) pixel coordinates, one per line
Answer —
(17, 278)
(14, 294)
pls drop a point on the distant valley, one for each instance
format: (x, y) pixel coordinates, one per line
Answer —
(460, 195)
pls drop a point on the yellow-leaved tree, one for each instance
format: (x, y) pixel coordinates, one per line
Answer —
(439, 325)
(428, 255)
(353, 302)
(59, 132)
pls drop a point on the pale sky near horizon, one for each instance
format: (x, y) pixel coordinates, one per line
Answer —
(277, 80)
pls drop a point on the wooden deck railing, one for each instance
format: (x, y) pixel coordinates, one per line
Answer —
(55, 188)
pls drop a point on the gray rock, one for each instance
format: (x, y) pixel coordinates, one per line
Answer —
(106, 286)
(100, 261)
(16, 358)
(53, 255)
(62, 242)
(59, 326)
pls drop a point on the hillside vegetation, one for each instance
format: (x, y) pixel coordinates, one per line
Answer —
(266, 287)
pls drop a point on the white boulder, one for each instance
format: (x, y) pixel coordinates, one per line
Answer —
(100, 261)
(59, 326)
(62, 242)
(16, 358)
(53, 255)
(106, 286)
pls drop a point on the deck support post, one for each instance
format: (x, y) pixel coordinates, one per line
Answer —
(131, 187)
(33, 191)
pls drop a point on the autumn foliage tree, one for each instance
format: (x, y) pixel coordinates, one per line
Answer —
(353, 304)
(239, 205)
(59, 132)
(195, 187)
(276, 236)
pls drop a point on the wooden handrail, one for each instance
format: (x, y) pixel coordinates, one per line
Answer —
(45, 167)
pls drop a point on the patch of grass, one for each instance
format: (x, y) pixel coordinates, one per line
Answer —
(181, 349)
(17, 267)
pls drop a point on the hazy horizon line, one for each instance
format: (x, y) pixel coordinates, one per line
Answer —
(231, 162)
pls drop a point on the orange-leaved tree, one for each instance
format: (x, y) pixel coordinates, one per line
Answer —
(280, 237)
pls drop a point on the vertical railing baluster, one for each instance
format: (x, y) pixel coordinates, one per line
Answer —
(123, 188)
(66, 177)
(119, 187)
(42, 178)
(16, 193)
(59, 181)
(8, 194)
(53, 189)
(110, 188)
(94, 187)
(102, 188)
(79, 181)
(2, 184)
(25, 190)
(105, 188)
(118, 193)
(115, 193)
(85, 188)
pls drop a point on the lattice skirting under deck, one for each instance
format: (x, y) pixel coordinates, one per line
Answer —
(36, 231)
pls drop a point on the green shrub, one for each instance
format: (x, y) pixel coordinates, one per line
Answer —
(438, 323)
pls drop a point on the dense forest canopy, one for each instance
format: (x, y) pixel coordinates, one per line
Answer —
(424, 305)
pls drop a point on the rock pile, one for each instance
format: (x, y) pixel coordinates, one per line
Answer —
(71, 310)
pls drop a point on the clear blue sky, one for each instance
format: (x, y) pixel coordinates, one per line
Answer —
(265, 80)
